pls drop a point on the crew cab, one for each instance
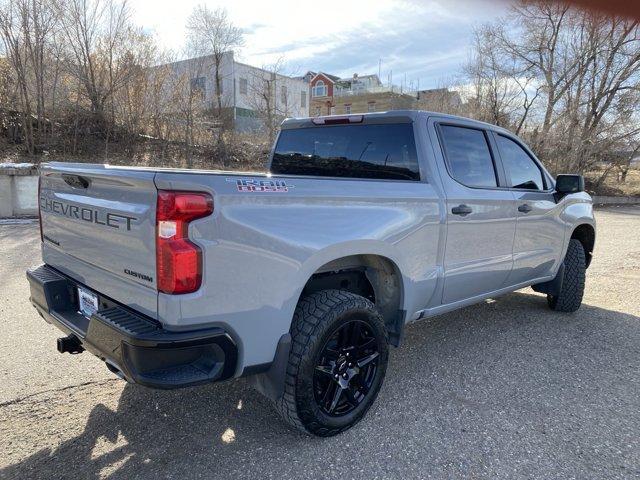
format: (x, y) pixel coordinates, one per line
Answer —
(302, 277)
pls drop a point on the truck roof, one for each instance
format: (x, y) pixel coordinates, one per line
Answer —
(389, 116)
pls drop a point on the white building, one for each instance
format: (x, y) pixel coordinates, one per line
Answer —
(245, 90)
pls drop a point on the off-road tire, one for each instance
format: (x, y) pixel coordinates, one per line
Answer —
(316, 318)
(572, 290)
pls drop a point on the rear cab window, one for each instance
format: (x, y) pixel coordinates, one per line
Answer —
(468, 156)
(373, 151)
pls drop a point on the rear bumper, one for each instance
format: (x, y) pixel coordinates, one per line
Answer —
(133, 346)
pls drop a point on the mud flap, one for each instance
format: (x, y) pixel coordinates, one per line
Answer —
(552, 287)
(271, 382)
(396, 329)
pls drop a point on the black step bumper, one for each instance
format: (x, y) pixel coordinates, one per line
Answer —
(133, 346)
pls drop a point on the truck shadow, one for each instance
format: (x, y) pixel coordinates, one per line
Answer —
(501, 375)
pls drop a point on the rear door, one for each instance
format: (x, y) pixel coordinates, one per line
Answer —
(481, 218)
(98, 226)
(539, 230)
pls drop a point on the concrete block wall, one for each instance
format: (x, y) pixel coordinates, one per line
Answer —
(380, 102)
(18, 190)
(606, 200)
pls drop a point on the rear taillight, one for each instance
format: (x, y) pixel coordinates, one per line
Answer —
(39, 211)
(178, 260)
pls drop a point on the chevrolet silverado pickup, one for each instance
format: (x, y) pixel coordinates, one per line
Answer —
(302, 277)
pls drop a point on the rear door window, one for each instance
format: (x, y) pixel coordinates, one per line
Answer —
(468, 156)
(357, 151)
(521, 170)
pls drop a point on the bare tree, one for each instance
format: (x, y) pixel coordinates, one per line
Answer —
(211, 32)
(39, 22)
(130, 102)
(503, 91)
(602, 104)
(99, 34)
(269, 96)
(5, 84)
(78, 72)
(25, 28)
(13, 38)
(568, 80)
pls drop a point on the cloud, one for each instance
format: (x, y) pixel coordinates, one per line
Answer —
(422, 43)
(425, 39)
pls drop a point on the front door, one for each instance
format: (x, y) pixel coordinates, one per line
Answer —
(540, 232)
(481, 219)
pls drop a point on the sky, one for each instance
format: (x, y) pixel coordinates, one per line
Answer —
(421, 43)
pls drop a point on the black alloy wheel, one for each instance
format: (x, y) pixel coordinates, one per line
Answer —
(337, 362)
(346, 369)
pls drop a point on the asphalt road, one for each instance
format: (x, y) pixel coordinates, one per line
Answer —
(504, 389)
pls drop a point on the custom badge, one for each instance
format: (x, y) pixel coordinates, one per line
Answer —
(266, 186)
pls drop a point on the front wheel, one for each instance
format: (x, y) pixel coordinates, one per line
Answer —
(569, 298)
(338, 360)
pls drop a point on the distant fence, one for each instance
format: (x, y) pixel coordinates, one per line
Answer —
(19, 191)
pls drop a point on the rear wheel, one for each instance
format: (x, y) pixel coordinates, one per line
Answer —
(569, 298)
(337, 363)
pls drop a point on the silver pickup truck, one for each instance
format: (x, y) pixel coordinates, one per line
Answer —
(302, 277)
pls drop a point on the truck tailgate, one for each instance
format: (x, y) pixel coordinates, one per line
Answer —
(98, 226)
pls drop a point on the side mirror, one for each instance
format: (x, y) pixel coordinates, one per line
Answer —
(566, 184)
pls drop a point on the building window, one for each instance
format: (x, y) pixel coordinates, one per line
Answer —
(243, 86)
(319, 90)
(318, 111)
(371, 107)
(198, 86)
(347, 109)
(303, 99)
(332, 111)
(283, 94)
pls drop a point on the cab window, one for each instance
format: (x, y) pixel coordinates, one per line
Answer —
(522, 171)
(468, 156)
(385, 151)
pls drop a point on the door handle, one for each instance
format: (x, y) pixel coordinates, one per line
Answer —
(461, 210)
(524, 208)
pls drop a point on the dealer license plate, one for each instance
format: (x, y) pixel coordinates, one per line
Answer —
(87, 301)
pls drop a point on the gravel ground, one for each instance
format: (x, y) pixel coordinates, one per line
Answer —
(503, 389)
